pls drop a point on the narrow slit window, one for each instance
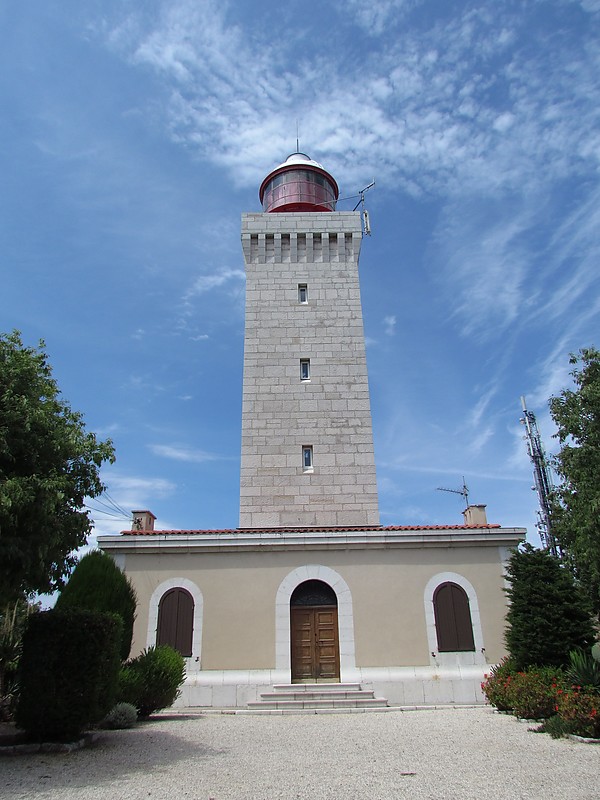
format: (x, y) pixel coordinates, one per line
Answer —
(307, 457)
(303, 293)
(305, 369)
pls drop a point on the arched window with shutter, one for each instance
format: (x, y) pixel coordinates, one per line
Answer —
(453, 624)
(176, 620)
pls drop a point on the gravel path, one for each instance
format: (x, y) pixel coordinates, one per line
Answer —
(442, 754)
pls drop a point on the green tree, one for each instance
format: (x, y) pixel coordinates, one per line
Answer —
(49, 464)
(576, 502)
(13, 619)
(548, 615)
(97, 584)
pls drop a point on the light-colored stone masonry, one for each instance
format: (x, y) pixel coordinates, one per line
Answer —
(282, 413)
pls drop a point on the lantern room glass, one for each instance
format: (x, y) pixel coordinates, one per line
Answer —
(299, 190)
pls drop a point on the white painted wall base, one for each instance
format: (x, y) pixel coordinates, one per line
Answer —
(401, 686)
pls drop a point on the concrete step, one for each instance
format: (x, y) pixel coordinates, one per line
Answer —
(317, 687)
(350, 695)
(371, 702)
(313, 697)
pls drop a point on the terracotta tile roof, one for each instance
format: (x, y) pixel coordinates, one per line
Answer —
(315, 529)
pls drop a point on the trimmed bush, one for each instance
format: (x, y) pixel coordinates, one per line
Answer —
(497, 685)
(152, 680)
(533, 692)
(579, 712)
(98, 584)
(68, 672)
(122, 716)
(529, 694)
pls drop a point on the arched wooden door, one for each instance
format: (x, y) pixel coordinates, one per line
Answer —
(314, 633)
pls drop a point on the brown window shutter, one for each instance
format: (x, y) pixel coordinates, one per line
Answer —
(176, 620)
(453, 619)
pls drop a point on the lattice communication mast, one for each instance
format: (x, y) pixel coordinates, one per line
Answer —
(542, 477)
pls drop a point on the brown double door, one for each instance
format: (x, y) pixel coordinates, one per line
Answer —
(315, 644)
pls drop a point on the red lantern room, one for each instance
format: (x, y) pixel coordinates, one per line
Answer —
(299, 184)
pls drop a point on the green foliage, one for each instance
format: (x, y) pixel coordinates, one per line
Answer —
(576, 502)
(529, 694)
(584, 670)
(121, 716)
(497, 685)
(152, 680)
(556, 726)
(13, 619)
(98, 584)
(548, 616)
(48, 464)
(579, 712)
(533, 692)
(68, 672)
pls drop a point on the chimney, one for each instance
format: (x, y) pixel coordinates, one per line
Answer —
(142, 521)
(475, 515)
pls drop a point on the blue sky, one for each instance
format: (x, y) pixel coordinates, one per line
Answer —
(134, 134)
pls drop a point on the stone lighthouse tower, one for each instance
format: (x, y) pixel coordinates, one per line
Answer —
(307, 442)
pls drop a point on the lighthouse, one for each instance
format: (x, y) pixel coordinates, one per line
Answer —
(307, 458)
(310, 589)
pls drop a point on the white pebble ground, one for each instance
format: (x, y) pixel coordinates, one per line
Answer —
(441, 754)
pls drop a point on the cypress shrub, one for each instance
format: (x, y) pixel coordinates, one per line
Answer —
(98, 584)
(548, 615)
(68, 672)
(152, 680)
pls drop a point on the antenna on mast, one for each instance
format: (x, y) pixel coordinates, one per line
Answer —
(464, 491)
(542, 478)
(364, 213)
(297, 137)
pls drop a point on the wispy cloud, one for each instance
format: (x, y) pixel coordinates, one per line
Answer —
(445, 470)
(119, 485)
(482, 259)
(126, 492)
(377, 15)
(215, 280)
(389, 325)
(420, 110)
(183, 453)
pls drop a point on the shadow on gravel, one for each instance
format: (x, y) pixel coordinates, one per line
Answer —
(115, 756)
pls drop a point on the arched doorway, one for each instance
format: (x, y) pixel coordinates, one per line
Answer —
(314, 633)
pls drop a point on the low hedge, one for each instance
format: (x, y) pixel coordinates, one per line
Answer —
(545, 693)
(497, 685)
(579, 711)
(529, 694)
(152, 680)
(68, 672)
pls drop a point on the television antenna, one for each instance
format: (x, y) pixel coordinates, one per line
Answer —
(463, 491)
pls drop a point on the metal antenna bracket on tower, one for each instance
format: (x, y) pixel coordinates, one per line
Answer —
(364, 213)
(542, 477)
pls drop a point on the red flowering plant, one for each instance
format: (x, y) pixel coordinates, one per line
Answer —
(497, 685)
(579, 711)
(534, 692)
(530, 693)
